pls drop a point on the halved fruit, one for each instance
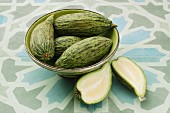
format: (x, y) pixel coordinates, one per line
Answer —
(131, 75)
(95, 86)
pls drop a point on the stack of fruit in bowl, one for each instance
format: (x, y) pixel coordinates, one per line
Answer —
(81, 42)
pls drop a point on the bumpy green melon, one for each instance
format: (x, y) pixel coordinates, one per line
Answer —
(63, 42)
(42, 40)
(84, 52)
(82, 24)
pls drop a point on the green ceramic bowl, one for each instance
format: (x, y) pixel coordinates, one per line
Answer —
(76, 72)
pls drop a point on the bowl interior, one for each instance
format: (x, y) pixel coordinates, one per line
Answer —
(111, 33)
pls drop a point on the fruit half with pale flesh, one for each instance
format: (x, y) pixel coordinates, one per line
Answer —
(131, 75)
(95, 86)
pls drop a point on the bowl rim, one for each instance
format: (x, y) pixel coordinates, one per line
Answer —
(64, 70)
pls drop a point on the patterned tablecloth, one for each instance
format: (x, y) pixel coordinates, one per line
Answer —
(144, 27)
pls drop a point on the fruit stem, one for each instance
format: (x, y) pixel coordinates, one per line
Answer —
(77, 93)
(142, 98)
(46, 56)
(114, 25)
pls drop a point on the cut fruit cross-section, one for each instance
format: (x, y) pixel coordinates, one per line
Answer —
(131, 75)
(95, 86)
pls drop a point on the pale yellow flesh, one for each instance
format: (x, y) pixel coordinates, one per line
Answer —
(132, 73)
(95, 86)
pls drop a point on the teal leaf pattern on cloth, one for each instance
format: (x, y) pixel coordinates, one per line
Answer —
(161, 39)
(108, 10)
(139, 0)
(31, 101)
(151, 77)
(60, 90)
(91, 108)
(139, 20)
(38, 75)
(3, 90)
(12, 68)
(39, 1)
(121, 22)
(135, 37)
(168, 110)
(164, 69)
(3, 53)
(5, 108)
(152, 99)
(120, 1)
(2, 30)
(67, 109)
(18, 13)
(13, 44)
(156, 10)
(145, 54)
(143, 28)
(3, 19)
(24, 56)
(122, 93)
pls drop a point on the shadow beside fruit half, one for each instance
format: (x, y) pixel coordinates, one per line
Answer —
(76, 72)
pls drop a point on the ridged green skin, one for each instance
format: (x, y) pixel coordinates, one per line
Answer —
(82, 24)
(42, 40)
(84, 52)
(63, 42)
